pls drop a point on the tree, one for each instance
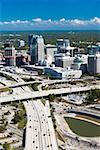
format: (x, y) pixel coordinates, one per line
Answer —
(51, 97)
(35, 86)
(20, 118)
(6, 146)
(93, 95)
(2, 128)
(40, 72)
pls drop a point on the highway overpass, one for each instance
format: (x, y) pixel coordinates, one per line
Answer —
(45, 93)
(43, 82)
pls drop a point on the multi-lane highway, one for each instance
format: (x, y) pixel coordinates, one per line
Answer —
(40, 134)
(44, 82)
(37, 94)
(40, 125)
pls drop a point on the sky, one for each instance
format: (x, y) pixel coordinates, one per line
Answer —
(49, 14)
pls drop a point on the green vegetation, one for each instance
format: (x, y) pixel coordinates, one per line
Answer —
(13, 148)
(51, 97)
(43, 101)
(40, 72)
(51, 36)
(20, 117)
(6, 146)
(22, 123)
(21, 106)
(97, 75)
(93, 96)
(15, 104)
(35, 86)
(18, 105)
(2, 128)
(3, 125)
(5, 89)
(83, 128)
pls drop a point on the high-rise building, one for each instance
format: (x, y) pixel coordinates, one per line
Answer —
(94, 64)
(36, 48)
(10, 56)
(63, 46)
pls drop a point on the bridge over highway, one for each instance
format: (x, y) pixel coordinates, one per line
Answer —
(43, 82)
(45, 93)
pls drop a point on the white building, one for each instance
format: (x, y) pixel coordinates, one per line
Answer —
(51, 50)
(47, 61)
(80, 63)
(21, 43)
(61, 73)
(63, 60)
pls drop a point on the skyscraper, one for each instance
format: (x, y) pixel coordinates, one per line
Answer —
(94, 64)
(36, 48)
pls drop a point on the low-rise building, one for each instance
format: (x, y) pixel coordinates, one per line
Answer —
(10, 56)
(61, 73)
(80, 63)
(21, 43)
(63, 60)
(22, 59)
(93, 49)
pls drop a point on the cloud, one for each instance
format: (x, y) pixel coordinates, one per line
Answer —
(62, 20)
(95, 20)
(5, 22)
(20, 22)
(38, 20)
(77, 22)
(39, 23)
